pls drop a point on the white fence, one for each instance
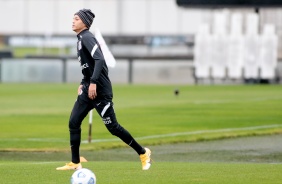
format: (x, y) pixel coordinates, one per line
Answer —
(126, 71)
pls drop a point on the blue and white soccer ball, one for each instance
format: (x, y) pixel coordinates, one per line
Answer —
(83, 176)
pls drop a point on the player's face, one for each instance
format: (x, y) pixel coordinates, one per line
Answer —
(77, 24)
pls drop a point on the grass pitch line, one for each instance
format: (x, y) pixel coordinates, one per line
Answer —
(150, 136)
(191, 133)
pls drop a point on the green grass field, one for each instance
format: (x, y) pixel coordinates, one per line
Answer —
(34, 117)
(129, 172)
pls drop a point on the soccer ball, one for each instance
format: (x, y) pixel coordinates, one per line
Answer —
(83, 176)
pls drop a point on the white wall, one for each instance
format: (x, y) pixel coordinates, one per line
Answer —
(12, 15)
(112, 16)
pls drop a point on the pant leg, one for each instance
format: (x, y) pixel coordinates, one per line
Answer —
(80, 110)
(106, 111)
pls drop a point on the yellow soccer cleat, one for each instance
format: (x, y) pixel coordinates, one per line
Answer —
(145, 159)
(70, 166)
(82, 159)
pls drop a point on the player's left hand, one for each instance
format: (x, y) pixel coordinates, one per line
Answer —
(92, 91)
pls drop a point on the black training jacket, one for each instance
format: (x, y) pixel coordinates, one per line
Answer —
(93, 64)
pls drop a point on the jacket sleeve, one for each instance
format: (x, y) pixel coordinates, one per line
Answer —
(82, 81)
(96, 53)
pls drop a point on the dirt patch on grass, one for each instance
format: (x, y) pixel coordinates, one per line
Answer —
(257, 149)
(260, 149)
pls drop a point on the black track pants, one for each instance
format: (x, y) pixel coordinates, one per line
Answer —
(104, 107)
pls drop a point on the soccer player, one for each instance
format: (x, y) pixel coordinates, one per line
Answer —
(95, 91)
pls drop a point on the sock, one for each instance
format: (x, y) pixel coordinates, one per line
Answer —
(139, 149)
